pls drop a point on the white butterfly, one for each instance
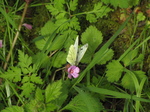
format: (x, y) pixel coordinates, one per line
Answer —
(75, 55)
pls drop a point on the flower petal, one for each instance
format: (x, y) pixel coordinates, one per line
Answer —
(69, 76)
(76, 70)
(75, 75)
(28, 26)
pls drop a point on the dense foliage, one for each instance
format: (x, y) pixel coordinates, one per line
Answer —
(37, 37)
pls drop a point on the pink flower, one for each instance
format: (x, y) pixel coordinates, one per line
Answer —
(1, 44)
(73, 72)
(28, 26)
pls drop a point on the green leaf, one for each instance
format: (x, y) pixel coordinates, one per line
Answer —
(59, 59)
(56, 8)
(106, 57)
(54, 11)
(129, 57)
(64, 94)
(74, 23)
(58, 42)
(62, 23)
(139, 74)
(118, 3)
(27, 89)
(50, 107)
(99, 11)
(13, 74)
(46, 31)
(66, 24)
(94, 38)
(139, 59)
(39, 95)
(91, 18)
(35, 79)
(127, 80)
(48, 28)
(140, 17)
(35, 106)
(84, 102)
(73, 4)
(24, 59)
(25, 79)
(59, 4)
(13, 109)
(53, 91)
(114, 71)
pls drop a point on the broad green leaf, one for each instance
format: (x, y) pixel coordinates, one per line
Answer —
(48, 28)
(84, 102)
(114, 71)
(59, 59)
(119, 3)
(140, 74)
(130, 82)
(50, 107)
(106, 57)
(39, 95)
(58, 42)
(62, 23)
(13, 109)
(43, 58)
(35, 106)
(129, 57)
(93, 37)
(64, 94)
(53, 91)
(77, 105)
(46, 31)
(127, 82)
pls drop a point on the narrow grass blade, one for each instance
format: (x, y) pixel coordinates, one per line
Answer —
(116, 94)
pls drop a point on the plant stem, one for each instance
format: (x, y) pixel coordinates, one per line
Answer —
(16, 36)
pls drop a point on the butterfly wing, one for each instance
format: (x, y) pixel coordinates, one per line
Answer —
(76, 44)
(81, 53)
(71, 57)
